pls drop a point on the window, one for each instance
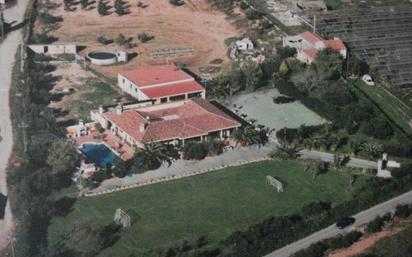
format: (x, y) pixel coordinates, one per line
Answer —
(177, 98)
(198, 94)
(163, 100)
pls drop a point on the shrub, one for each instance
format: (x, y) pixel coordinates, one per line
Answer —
(194, 151)
(215, 147)
(252, 14)
(102, 8)
(403, 211)
(377, 127)
(103, 40)
(283, 100)
(143, 37)
(375, 225)
(121, 40)
(177, 2)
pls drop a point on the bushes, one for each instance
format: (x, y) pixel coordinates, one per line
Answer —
(194, 151)
(320, 248)
(377, 128)
(252, 14)
(198, 151)
(143, 37)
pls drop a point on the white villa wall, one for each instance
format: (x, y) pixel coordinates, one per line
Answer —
(99, 118)
(54, 49)
(130, 88)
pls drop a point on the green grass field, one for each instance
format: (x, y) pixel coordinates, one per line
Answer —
(213, 204)
(394, 108)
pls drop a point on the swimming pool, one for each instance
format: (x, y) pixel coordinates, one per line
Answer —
(100, 154)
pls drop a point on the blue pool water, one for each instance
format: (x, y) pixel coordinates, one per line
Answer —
(100, 154)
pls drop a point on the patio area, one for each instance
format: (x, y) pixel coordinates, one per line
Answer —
(122, 150)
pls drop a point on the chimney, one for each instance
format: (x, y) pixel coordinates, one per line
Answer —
(119, 109)
(142, 127)
(101, 110)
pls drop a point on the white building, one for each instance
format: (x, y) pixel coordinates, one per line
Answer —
(164, 83)
(244, 45)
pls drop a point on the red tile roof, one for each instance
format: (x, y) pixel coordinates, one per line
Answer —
(192, 118)
(311, 52)
(336, 44)
(172, 89)
(151, 75)
(311, 37)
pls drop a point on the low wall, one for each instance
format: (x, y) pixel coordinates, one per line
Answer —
(169, 178)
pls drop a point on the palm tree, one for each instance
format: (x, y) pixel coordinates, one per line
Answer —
(372, 149)
(246, 136)
(153, 155)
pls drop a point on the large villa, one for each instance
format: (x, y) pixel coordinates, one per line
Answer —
(171, 108)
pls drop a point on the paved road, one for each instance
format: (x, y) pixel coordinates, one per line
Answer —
(8, 49)
(328, 157)
(331, 231)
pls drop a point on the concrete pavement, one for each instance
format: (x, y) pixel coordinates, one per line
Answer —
(328, 157)
(331, 231)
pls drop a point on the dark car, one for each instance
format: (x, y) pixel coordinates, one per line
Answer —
(344, 222)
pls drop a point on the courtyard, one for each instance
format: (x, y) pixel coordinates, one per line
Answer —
(260, 107)
(213, 205)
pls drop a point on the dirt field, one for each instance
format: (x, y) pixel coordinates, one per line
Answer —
(193, 25)
(77, 91)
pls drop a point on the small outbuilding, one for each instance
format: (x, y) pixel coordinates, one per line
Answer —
(244, 45)
(54, 49)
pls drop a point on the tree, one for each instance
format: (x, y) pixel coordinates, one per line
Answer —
(373, 149)
(153, 155)
(285, 52)
(102, 8)
(329, 63)
(283, 69)
(307, 80)
(121, 39)
(119, 7)
(378, 128)
(248, 135)
(194, 151)
(359, 67)
(144, 37)
(84, 3)
(63, 159)
(286, 152)
(121, 169)
(253, 75)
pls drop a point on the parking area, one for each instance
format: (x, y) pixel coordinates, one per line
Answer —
(261, 107)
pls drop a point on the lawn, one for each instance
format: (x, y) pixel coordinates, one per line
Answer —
(393, 107)
(213, 204)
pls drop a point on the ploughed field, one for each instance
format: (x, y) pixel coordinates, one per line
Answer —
(191, 34)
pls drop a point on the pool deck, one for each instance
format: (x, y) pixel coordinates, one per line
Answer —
(124, 151)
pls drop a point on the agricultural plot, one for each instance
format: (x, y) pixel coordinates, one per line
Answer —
(212, 205)
(382, 36)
